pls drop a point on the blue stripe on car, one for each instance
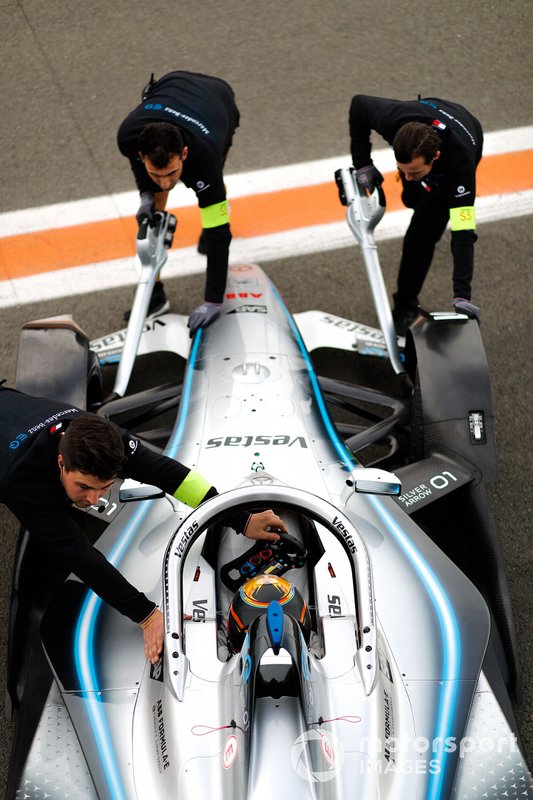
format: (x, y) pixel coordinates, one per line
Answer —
(451, 643)
(84, 655)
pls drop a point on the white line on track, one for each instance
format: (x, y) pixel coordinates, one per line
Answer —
(186, 261)
(125, 204)
(303, 241)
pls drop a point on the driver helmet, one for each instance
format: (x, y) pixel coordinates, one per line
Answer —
(253, 598)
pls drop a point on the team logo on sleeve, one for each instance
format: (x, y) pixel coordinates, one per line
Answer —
(133, 444)
(16, 442)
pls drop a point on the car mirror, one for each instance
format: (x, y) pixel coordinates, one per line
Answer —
(376, 481)
(130, 492)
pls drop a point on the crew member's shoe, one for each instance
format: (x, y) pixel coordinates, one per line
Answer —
(158, 302)
(404, 319)
(403, 315)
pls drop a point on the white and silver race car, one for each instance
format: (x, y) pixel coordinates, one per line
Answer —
(370, 653)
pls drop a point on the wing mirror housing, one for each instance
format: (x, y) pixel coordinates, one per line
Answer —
(131, 491)
(369, 480)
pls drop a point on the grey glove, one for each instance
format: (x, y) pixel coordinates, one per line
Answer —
(368, 178)
(146, 209)
(466, 307)
(203, 315)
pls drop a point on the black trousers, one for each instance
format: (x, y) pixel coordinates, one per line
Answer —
(428, 223)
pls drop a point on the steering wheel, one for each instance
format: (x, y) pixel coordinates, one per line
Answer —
(264, 558)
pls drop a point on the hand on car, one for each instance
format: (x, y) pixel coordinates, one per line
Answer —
(264, 525)
(466, 307)
(203, 315)
(153, 632)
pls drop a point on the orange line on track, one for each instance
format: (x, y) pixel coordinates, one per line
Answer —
(256, 215)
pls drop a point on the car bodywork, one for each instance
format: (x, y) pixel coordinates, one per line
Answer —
(403, 689)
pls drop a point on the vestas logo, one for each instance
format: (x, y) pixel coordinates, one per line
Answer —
(180, 547)
(339, 525)
(200, 610)
(118, 339)
(256, 441)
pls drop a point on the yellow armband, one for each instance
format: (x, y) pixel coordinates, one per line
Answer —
(215, 215)
(192, 489)
(463, 219)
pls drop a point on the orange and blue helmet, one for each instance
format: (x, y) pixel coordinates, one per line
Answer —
(253, 598)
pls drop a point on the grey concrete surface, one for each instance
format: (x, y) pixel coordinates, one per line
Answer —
(70, 73)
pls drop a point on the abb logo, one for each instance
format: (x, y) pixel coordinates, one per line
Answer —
(242, 295)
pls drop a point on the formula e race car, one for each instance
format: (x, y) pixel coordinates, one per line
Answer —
(369, 653)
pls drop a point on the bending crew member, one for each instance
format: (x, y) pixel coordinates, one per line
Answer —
(183, 130)
(55, 459)
(437, 145)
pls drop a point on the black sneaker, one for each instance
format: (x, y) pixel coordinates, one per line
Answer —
(158, 303)
(403, 318)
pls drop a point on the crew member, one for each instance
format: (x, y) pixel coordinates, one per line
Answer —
(437, 145)
(183, 130)
(55, 459)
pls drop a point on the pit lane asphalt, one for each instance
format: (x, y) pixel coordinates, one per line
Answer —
(68, 80)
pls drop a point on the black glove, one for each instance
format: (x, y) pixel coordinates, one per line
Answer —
(203, 315)
(368, 178)
(146, 209)
(463, 306)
